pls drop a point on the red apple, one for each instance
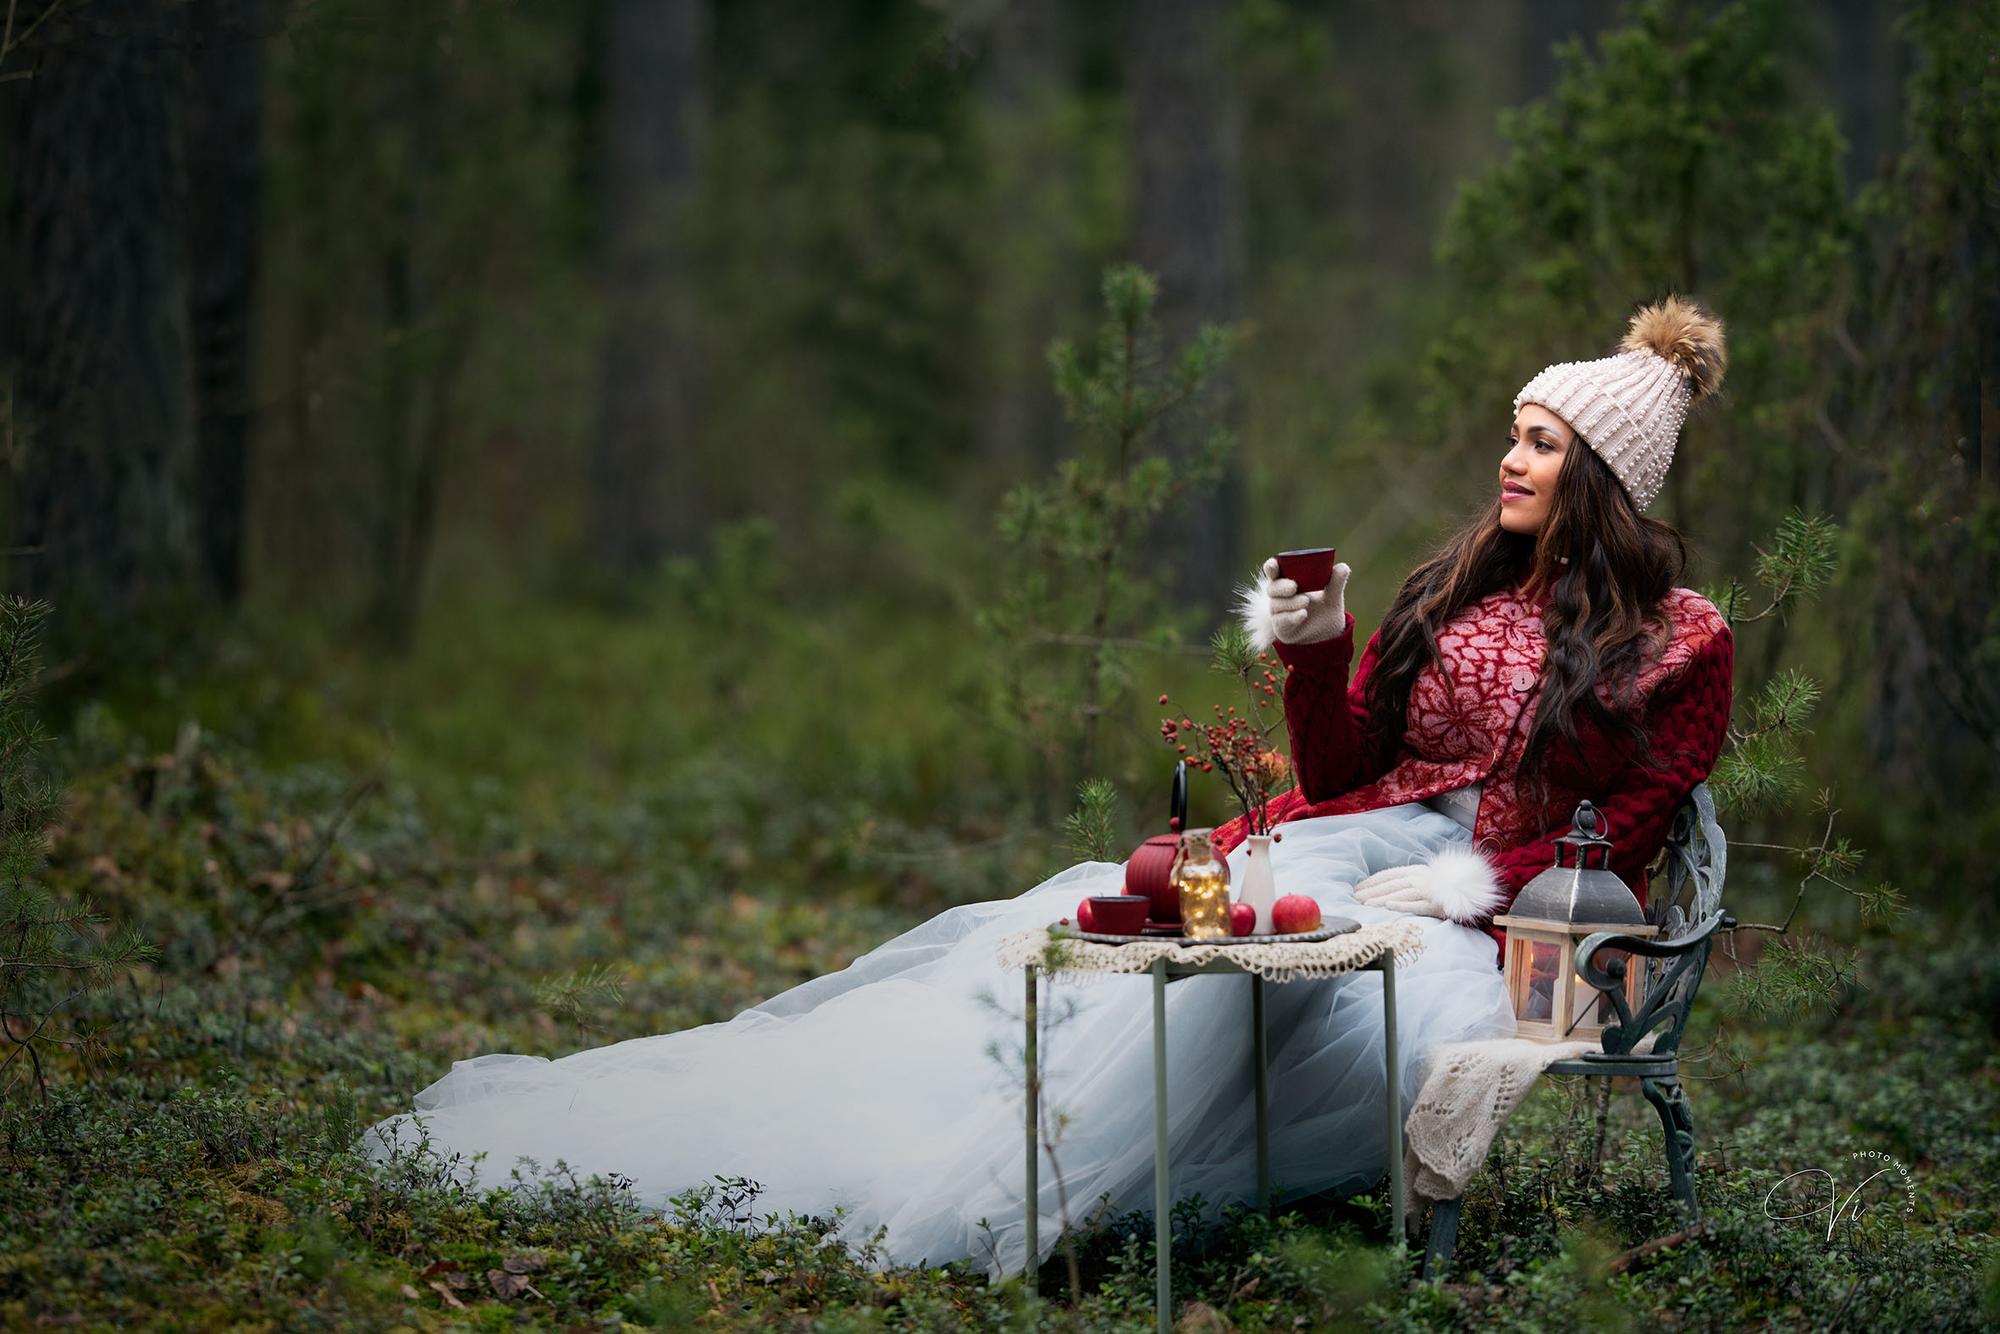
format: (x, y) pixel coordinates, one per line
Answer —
(1085, 919)
(1242, 919)
(1295, 912)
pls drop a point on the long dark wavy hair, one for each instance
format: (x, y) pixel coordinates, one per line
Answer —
(1598, 626)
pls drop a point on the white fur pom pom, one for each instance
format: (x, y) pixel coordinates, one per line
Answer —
(1253, 607)
(1463, 883)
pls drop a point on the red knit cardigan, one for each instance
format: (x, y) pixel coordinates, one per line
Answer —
(1468, 723)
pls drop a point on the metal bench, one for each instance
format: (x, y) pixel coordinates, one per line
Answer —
(1687, 908)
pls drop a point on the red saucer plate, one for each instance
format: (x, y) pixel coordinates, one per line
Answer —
(1328, 928)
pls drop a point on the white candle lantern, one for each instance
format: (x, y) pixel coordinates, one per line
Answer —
(1551, 914)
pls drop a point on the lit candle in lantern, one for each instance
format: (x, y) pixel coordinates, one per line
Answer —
(1551, 914)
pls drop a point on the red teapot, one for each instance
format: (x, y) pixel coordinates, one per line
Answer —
(1149, 869)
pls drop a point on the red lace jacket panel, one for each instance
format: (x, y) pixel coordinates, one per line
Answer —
(1468, 723)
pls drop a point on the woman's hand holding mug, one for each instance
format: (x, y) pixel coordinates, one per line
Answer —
(1306, 618)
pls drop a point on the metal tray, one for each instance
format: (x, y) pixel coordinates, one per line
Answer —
(1329, 928)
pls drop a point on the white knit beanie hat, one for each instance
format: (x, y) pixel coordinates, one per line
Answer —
(1628, 407)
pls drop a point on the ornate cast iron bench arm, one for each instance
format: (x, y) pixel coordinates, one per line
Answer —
(1669, 994)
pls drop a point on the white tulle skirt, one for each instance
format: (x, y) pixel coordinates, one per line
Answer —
(877, 1087)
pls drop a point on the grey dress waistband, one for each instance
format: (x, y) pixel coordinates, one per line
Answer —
(1461, 804)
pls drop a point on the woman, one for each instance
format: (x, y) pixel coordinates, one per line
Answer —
(1544, 656)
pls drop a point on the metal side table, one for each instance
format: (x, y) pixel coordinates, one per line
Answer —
(1370, 947)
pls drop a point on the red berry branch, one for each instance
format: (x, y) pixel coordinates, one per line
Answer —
(1236, 744)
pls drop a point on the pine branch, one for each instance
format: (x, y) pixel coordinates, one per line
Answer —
(1090, 825)
(1079, 580)
(576, 994)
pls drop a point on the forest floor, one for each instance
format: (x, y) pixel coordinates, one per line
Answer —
(325, 955)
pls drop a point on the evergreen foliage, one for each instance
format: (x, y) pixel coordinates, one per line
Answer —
(576, 995)
(1093, 824)
(1919, 448)
(55, 949)
(1078, 604)
(1682, 155)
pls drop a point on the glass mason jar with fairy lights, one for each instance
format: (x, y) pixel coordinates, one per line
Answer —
(1202, 880)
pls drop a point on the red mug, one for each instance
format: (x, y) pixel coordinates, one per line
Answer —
(1311, 568)
(1120, 914)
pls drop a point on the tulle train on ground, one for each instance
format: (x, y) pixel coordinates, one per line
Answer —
(874, 1088)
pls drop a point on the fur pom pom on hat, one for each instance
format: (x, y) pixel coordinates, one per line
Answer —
(1628, 407)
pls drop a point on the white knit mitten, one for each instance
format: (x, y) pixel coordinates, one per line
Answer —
(1455, 883)
(1274, 609)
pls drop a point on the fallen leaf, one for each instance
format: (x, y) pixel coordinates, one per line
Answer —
(445, 1292)
(527, 1262)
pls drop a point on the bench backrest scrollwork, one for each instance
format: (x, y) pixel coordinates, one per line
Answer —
(1686, 904)
(1697, 861)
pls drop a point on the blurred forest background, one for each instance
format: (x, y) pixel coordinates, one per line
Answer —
(512, 476)
(597, 404)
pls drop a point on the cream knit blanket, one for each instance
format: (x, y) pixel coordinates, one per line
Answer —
(1471, 1090)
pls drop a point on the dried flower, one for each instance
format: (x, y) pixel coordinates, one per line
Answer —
(1234, 743)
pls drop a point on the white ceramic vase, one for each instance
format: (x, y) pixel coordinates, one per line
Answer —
(1259, 887)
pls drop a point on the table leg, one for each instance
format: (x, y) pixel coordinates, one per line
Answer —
(1034, 1198)
(1395, 1098)
(1163, 1249)
(1263, 1092)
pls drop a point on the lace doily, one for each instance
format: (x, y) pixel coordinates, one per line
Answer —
(1087, 960)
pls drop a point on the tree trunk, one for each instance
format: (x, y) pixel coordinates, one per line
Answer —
(1862, 75)
(102, 413)
(644, 501)
(1030, 289)
(225, 166)
(425, 348)
(1188, 228)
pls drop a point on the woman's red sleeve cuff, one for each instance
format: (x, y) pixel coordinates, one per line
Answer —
(1333, 651)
